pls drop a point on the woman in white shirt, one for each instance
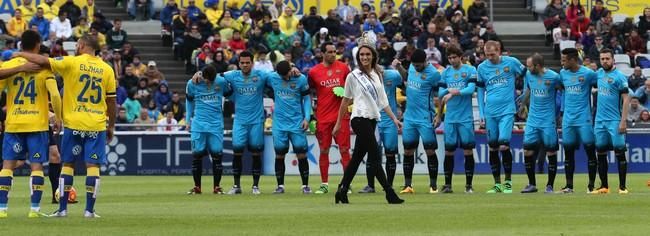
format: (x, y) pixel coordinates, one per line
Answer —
(364, 87)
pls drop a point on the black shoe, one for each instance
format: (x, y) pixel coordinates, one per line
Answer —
(392, 198)
(54, 201)
(367, 189)
(447, 189)
(341, 195)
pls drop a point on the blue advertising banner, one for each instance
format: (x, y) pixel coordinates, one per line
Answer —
(153, 153)
(638, 157)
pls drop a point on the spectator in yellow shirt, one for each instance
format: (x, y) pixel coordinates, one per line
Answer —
(88, 11)
(17, 25)
(80, 29)
(288, 22)
(49, 9)
(214, 13)
(101, 39)
(28, 9)
(139, 68)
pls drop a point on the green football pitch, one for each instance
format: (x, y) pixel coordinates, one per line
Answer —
(148, 205)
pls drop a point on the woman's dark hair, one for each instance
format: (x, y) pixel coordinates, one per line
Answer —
(374, 62)
(214, 56)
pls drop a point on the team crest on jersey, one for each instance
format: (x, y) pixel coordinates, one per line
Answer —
(424, 76)
(292, 85)
(76, 150)
(581, 79)
(506, 69)
(17, 148)
(609, 80)
(463, 75)
(329, 73)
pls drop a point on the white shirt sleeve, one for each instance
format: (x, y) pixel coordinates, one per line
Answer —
(350, 86)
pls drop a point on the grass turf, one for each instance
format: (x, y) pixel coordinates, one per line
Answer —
(148, 205)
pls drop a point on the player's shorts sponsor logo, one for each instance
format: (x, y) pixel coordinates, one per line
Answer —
(17, 148)
(84, 134)
(76, 150)
(506, 69)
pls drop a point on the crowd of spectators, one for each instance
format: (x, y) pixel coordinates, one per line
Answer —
(597, 31)
(274, 33)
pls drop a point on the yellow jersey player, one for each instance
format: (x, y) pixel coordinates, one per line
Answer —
(27, 124)
(89, 98)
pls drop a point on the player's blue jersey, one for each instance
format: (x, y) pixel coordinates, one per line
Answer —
(610, 86)
(542, 98)
(419, 94)
(577, 96)
(207, 99)
(459, 108)
(499, 81)
(248, 95)
(288, 113)
(392, 80)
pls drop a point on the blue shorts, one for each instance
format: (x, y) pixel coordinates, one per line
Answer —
(573, 136)
(412, 132)
(388, 135)
(203, 142)
(89, 145)
(31, 146)
(533, 136)
(499, 130)
(248, 135)
(459, 134)
(281, 139)
(607, 136)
